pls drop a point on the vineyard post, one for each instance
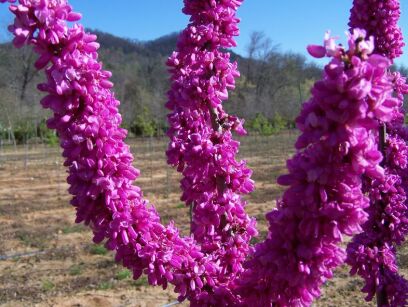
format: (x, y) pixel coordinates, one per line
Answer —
(1, 147)
(44, 150)
(59, 171)
(25, 152)
(151, 159)
(167, 182)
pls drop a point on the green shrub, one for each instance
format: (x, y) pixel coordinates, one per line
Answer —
(144, 124)
(47, 285)
(26, 130)
(105, 285)
(279, 123)
(264, 126)
(124, 274)
(98, 250)
(47, 135)
(141, 281)
(261, 125)
(76, 269)
(72, 229)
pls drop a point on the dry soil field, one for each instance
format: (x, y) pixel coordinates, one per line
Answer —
(47, 260)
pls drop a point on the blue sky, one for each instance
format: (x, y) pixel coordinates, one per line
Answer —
(292, 24)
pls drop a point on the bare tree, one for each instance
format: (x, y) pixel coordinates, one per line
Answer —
(259, 49)
(28, 71)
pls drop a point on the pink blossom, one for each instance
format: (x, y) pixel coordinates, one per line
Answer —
(324, 199)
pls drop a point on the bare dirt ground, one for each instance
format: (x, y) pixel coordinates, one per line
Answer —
(48, 260)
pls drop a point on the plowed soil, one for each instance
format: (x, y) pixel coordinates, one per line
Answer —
(48, 260)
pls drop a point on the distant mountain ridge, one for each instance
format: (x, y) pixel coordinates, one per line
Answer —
(163, 45)
(271, 82)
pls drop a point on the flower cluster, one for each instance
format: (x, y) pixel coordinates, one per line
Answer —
(380, 19)
(324, 201)
(372, 254)
(201, 144)
(338, 160)
(101, 175)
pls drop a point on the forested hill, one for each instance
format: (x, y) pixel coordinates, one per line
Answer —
(271, 83)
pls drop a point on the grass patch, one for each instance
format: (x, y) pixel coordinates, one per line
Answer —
(72, 229)
(106, 263)
(105, 285)
(142, 281)
(47, 285)
(98, 250)
(30, 240)
(180, 206)
(25, 238)
(124, 274)
(76, 269)
(165, 219)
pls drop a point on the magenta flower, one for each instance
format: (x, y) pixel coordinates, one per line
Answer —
(99, 163)
(324, 200)
(201, 145)
(372, 253)
(380, 19)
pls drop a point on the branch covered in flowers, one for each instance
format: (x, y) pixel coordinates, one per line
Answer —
(324, 199)
(101, 175)
(380, 19)
(201, 145)
(372, 254)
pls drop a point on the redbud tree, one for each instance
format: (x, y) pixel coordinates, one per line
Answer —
(346, 178)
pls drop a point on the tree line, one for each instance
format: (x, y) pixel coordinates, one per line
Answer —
(269, 93)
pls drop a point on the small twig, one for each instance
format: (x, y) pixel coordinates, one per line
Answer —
(216, 125)
(381, 294)
(382, 140)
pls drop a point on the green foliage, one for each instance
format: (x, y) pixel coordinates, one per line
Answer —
(24, 238)
(144, 124)
(47, 135)
(72, 229)
(124, 274)
(141, 281)
(3, 132)
(98, 250)
(271, 81)
(47, 285)
(264, 126)
(25, 130)
(76, 269)
(105, 285)
(261, 125)
(279, 123)
(181, 206)
(30, 239)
